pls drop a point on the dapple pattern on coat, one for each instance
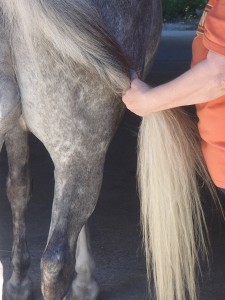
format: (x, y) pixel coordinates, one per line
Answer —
(65, 63)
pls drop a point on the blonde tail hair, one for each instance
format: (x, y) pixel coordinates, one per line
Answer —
(173, 223)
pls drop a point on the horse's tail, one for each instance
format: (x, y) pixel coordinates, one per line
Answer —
(75, 30)
(173, 223)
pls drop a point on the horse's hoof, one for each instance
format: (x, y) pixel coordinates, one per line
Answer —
(81, 291)
(22, 291)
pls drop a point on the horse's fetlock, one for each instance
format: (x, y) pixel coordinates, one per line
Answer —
(51, 267)
(54, 262)
(18, 289)
(56, 269)
(85, 289)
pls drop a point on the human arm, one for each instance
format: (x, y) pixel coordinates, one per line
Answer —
(204, 82)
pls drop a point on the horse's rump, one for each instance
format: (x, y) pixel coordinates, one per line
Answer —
(71, 30)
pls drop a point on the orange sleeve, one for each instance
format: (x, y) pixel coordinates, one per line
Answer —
(214, 36)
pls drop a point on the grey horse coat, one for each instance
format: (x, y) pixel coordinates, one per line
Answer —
(63, 66)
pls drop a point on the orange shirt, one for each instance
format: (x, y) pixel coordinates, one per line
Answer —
(211, 36)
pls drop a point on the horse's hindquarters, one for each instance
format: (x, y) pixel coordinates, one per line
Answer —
(70, 75)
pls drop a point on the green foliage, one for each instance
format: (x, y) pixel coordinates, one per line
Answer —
(182, 9)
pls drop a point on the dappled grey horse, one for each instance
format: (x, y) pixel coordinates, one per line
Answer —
(63, 67)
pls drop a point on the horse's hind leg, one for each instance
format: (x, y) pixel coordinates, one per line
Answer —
(19, 286)
(84, 286)
(77, 186)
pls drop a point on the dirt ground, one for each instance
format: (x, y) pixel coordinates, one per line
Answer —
(114, 226)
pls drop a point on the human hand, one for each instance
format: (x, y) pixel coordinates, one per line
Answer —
(135, 98)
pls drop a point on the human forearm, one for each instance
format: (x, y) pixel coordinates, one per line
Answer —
(202, 83)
